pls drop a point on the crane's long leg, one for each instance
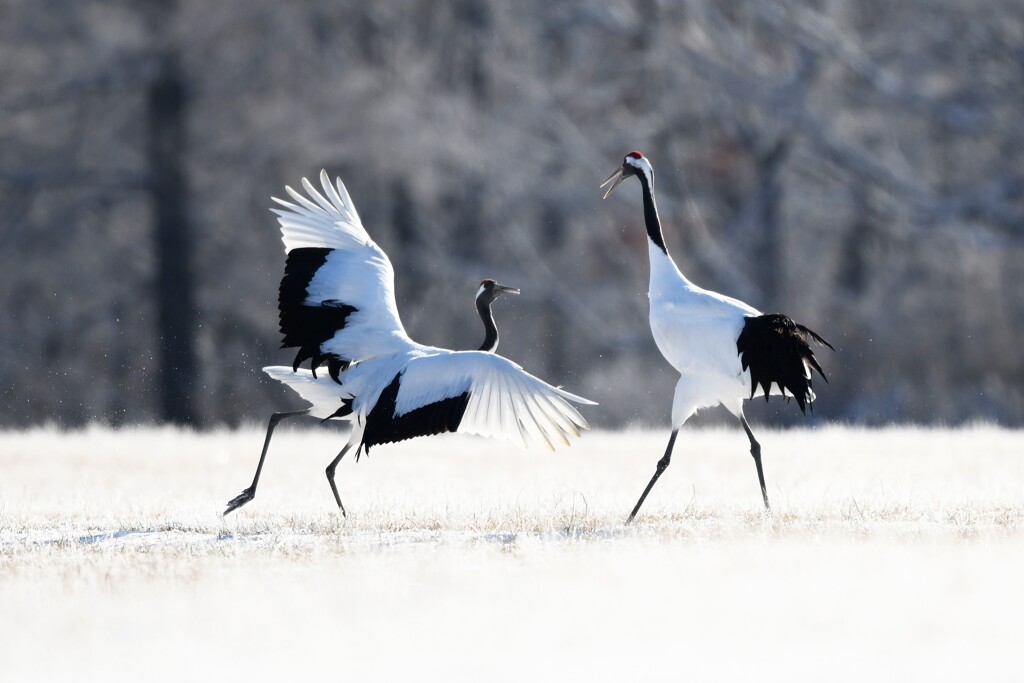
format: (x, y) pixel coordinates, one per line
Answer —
(755, 451)
(250, 493)
(330, 476)
(662, 466)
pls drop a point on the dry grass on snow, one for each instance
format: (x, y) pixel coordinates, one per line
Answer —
(891, 554)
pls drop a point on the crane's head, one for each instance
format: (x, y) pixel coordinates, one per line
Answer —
(633, 164)
(491, 290)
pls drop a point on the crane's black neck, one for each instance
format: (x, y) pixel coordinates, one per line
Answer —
(483, 307)
(651, 212)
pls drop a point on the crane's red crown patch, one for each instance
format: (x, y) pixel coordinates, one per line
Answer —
(635, 155)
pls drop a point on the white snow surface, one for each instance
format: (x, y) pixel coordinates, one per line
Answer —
(891, 555)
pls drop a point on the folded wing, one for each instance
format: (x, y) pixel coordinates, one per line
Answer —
(776, 351)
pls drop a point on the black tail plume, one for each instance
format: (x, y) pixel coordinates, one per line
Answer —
(776, 351)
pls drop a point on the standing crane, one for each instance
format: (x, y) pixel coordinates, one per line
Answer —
(337, 305)
(719, 345)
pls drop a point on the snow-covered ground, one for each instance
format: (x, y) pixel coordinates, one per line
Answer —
(891, 555)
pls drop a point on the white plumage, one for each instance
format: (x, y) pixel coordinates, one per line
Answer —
(504, 400)
(696, 331)
(724, 350)
(356, 272)
(337, 304)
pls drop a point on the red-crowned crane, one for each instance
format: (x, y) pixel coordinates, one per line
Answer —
(724, 350)
(337, 305)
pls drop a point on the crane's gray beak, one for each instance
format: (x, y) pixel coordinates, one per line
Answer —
(502, 289)
(614, 179)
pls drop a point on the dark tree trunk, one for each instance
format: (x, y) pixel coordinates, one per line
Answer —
(556, 349)
(469, 220)
(769, 198)
(175, 295)
(860, 240)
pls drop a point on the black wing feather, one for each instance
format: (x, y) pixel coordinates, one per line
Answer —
(305, 326)
(382, 426)
(775, 349)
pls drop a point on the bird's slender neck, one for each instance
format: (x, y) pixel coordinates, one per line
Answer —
(651, 217)
(665, 274)
(483, 307)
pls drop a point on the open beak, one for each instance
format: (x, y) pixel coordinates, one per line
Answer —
(614, 179)
(502, 289)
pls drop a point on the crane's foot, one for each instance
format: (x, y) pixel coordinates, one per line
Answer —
(240, 500)
(334, 487)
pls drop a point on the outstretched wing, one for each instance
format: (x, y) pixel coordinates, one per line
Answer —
(472, 392)
(323, 394)
(475, 393)
(337, 296)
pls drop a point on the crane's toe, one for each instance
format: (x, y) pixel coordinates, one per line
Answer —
(240, 500)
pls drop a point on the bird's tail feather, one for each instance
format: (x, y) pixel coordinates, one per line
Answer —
(776, 351)
(327, 398)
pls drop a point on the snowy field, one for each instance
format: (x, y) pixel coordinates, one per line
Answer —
(891, 555)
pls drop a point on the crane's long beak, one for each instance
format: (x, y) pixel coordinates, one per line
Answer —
(505, 290)
(617, 177)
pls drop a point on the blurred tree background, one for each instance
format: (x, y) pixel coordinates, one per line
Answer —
(856, 164)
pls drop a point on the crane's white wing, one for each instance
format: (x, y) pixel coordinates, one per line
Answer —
(322, 393)
(500, 398)
(432, 391)
(338, 293)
